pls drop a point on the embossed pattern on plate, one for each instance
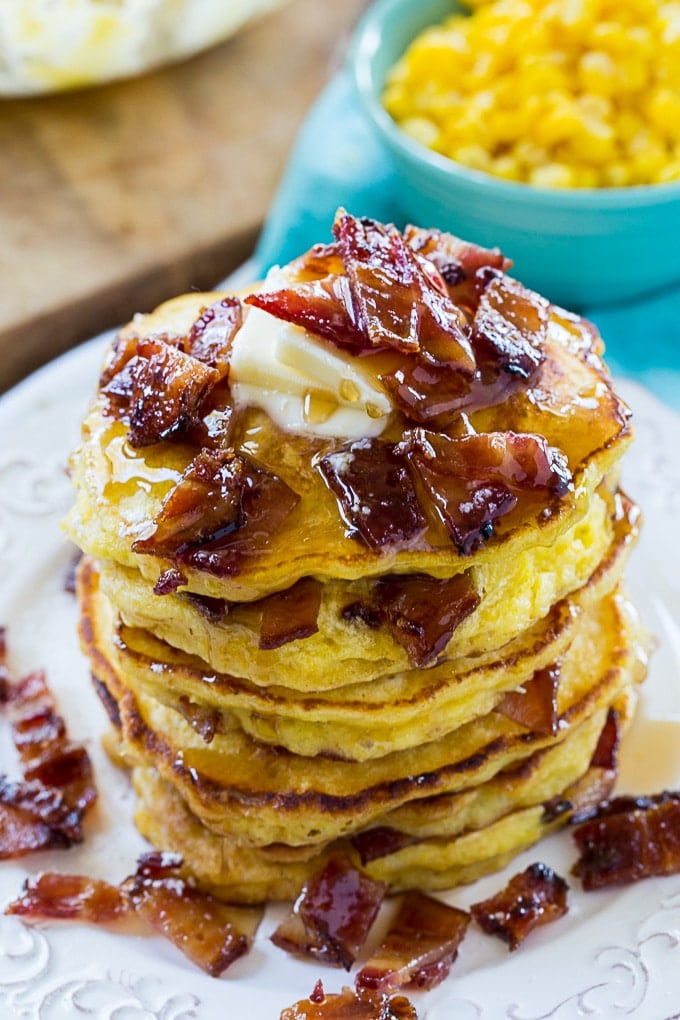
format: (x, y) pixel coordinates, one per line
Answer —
(616, 954)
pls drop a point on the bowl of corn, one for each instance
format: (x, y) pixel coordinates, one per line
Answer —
(550, 128)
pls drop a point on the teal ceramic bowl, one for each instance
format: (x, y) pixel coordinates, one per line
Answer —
(579, 247)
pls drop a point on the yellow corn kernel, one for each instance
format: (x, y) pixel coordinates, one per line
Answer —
(553, 175)
(422, 130)
(663, 112)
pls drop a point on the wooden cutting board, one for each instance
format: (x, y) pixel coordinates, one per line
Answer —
(116, 198)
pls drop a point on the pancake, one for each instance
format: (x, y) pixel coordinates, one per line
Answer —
(356, 722)
(354, 556)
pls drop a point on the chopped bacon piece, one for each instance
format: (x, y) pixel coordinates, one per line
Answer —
(169, 581)
(606, 753)
(419, 948)
(320, 260)
(211, 336)
(204, 720)
(474, 480)
(375, 494)
(510, 327)
(321, 306)
(46, 808)
(51, 895)
(221, 510)
(420, 612)
(629, 838)
(159, 391)
(214, 609)
(394, 301)
(466, 268)
(386, 300)
(291, 614)
(371, 844)
(211, 933)
(332, 915)
(535, 896)
(200, 925)
(347, 1005)
(22, 833)
(583, 798)
(535, 705)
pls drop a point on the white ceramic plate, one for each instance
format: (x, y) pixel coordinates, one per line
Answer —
(616, 954)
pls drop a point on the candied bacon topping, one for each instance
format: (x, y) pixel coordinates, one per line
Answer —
(462, 265)
(420, 612)
(210, 933)
(606, 753)
(332, 915)
(50, 895)
(291, 614)
(629, 838)
(222, 509)
(211, 336)
(419, 948)
(510, 327)
(534, 897)
(46, 808)
(169, 581)
(535, 705)
(375, 493)
(584, 796)
(371, 844)
(474, 480)
(348, 1005)
(159, 391)
(386, 299)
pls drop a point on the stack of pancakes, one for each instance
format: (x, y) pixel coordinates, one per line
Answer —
(256, 759)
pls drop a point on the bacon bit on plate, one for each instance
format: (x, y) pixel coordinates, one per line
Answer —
(347, 1005)
(535, 896)
(291, 614)
(535, 705)
(474, 480)
(629, 838)
(332, 916)
(159, 391)
(375, 493)
(419, 948)
(210, 933)
(45, 809)
(50, 895)
(420, 612)
(222, 509)
(206, 930)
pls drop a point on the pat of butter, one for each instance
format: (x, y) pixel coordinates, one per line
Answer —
(303, 383)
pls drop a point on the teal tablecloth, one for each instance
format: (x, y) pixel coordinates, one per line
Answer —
(336, 161)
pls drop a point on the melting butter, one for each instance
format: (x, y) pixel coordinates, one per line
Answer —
(302, 382)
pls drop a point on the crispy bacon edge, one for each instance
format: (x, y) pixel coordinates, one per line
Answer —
(209, 932)
(531, 898)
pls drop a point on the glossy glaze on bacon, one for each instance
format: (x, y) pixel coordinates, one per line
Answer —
(420, 612)
(376, 496)
(629, 838)
(534, 897)
(348, 1005)
(210, 933)
(211, 336)
(535, 705)
(291, 614)
(46, 808)
(419, 948)
(465, 267)
(222, 510)
(159, 392)
(473, 480)
(333, 914)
